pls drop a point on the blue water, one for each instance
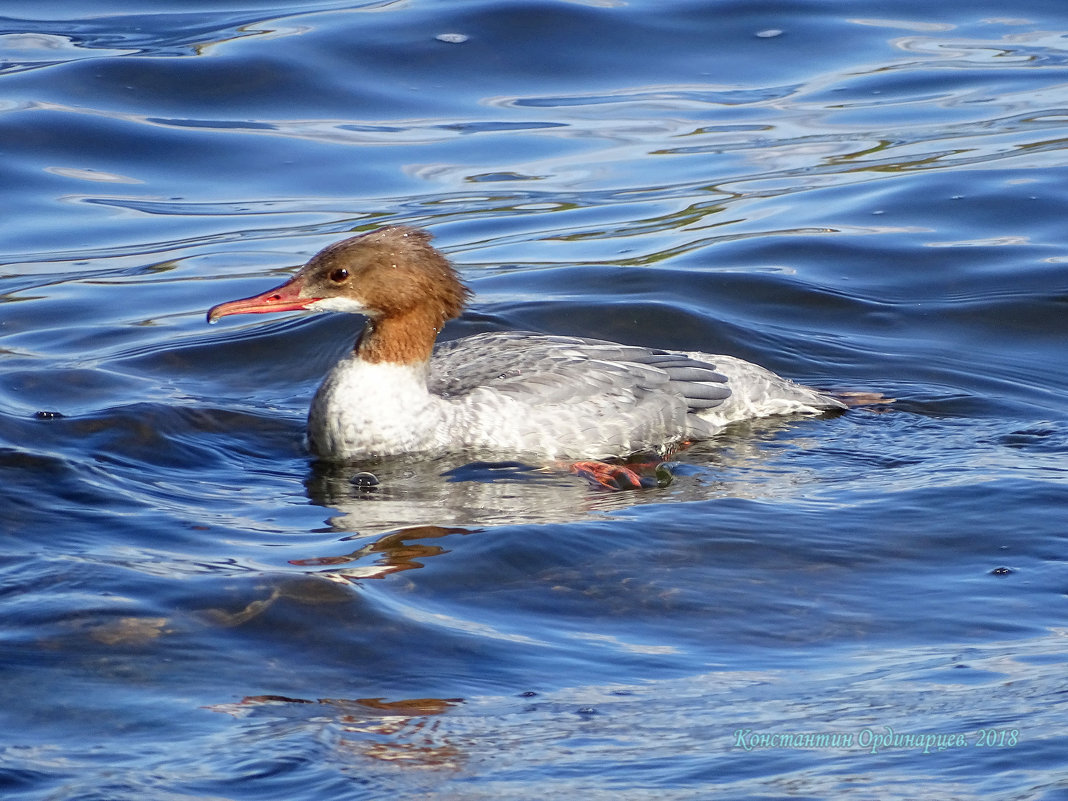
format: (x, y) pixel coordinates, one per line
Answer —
(864, 196)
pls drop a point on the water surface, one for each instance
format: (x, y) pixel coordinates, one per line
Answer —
(859, 196)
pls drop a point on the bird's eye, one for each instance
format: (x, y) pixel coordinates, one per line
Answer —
(339, 275)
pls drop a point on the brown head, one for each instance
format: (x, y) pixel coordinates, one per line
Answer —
(393, 275)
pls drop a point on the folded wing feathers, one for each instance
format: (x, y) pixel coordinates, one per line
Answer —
(556, 370)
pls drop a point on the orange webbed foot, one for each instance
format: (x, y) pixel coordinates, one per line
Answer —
(614, 477)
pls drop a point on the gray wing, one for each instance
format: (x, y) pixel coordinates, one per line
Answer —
(556, 370)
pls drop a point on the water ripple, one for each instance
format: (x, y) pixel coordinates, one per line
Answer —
(195, 607)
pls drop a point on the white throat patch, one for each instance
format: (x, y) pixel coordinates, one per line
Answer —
(339, 304)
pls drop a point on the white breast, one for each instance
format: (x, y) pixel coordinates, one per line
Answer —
(374, 409)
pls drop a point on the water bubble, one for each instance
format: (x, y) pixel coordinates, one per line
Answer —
(364, 480)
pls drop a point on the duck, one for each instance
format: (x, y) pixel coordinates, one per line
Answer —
(506, 393)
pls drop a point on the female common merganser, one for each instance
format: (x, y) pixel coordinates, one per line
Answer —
(505, 393)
